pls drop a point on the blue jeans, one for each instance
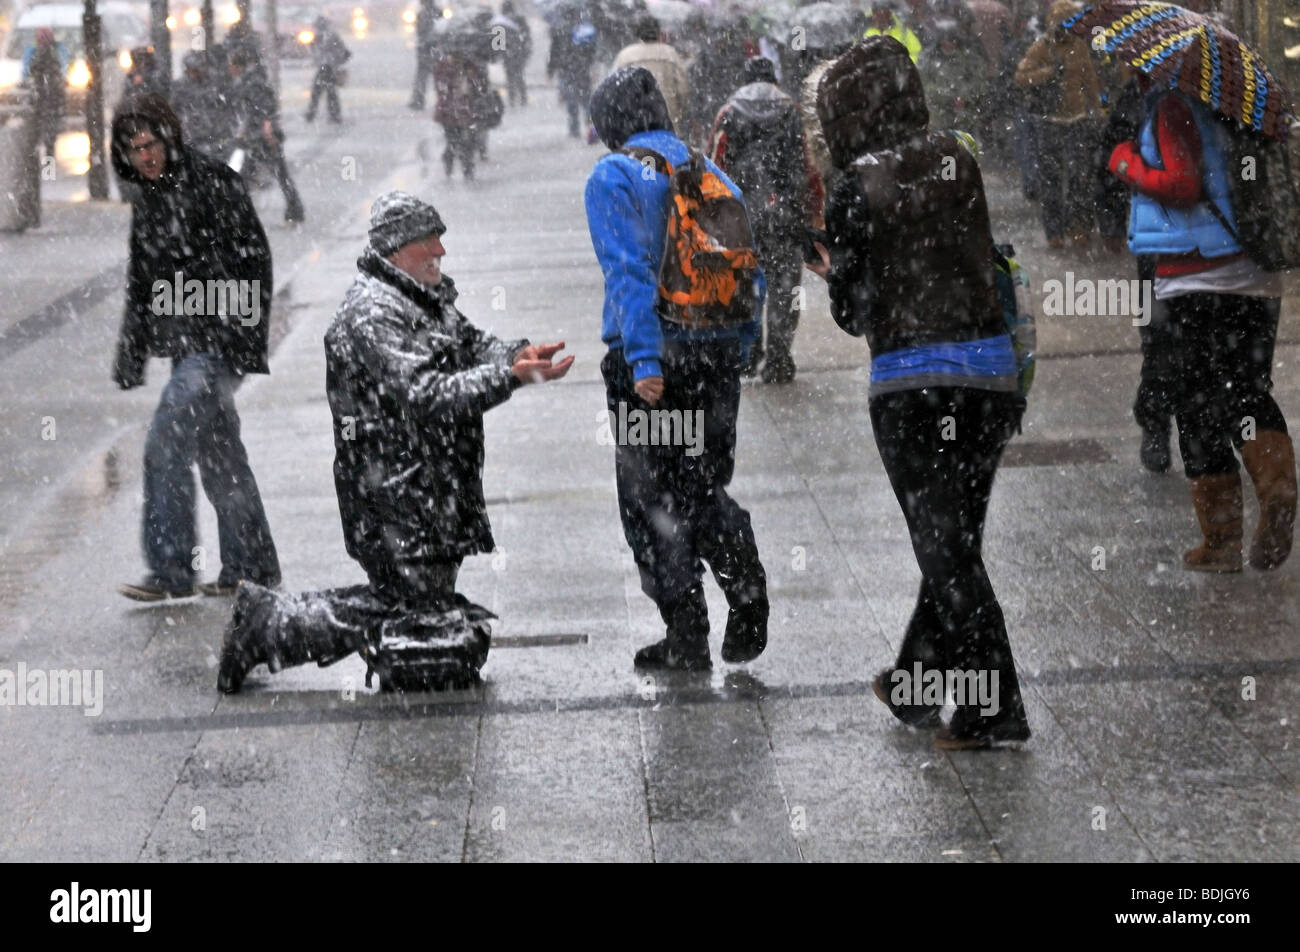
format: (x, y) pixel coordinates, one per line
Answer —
(196, 422)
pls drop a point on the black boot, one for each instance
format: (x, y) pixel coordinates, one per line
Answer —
(746, 632)
(686, 648)
(248, 637)
(282, 630)
(740, 575)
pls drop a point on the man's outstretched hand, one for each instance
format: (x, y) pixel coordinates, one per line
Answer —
(533, 363)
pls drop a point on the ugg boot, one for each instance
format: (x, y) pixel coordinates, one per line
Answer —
(1270, 461)
(1218, 509)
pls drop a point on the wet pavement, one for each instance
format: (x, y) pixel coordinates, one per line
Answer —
(1163, 703)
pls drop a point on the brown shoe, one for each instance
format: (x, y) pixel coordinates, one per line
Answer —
(1270, 461)
(1218, 509)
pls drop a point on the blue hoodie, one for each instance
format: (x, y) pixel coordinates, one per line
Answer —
(627, 213)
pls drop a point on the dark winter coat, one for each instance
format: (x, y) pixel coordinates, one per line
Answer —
(198, 220)
(409, 379)
(328, 50)
(758, 142)
(48, 82)
(911, 245)
(462, 86)
(207, 121)
(254, 100)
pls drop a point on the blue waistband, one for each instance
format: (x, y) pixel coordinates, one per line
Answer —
(988, 357)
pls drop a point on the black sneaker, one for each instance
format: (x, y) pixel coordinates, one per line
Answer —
(920, 716)
(1011, 731)
(778, 370)
(746, 635)
(150, 590)
(660, 655)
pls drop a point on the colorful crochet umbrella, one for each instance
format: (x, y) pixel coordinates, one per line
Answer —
(1191, 53)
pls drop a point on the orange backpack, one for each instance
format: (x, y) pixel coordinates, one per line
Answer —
(706, 278)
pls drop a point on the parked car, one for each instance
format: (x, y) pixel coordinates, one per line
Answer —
(123, 29)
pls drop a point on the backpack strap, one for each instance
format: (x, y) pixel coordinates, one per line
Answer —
(637, 152)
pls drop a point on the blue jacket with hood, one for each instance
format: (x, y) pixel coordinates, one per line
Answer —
(627, 214)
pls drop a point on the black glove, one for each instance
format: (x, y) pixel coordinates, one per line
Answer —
(128, 368)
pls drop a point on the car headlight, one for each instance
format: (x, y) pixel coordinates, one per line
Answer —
(360, 24)
(305, 37)
(124, 59)
(231, 14)
(171, 23)
(79, 75)
(408, 16)
(193, 17)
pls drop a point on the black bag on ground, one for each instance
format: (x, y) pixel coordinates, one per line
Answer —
(431, 650)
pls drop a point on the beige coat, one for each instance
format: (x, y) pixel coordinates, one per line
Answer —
(668, 69)
(1080, 92)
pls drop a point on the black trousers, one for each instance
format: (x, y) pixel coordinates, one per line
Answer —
(1065, 177)
(516, 88)
(1158, 386)
(673, 499)
(463, 143)
(780, 252)
(327, 83)
(329, 625)
(943, 486)
(1223, 346)
(423, 77)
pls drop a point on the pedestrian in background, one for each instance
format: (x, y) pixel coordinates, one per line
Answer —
(1065, 96)
(45, 72)
(674, 506)
(664, 63)
(425, 50)
(200, 104)
(408, 379)
(256, 108)
(573, 51)
(758, 141)
(1222, 311)
(328, 54)
(518, 50)
(461, 83)
(955, 74)
(910, 267)
(193, 221)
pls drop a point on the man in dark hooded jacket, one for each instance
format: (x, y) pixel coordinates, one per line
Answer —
(408, 379)
(758, 141)
(673, 500)
(199, 293)
(200, 103)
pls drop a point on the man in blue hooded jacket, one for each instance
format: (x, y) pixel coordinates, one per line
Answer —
(672, 474)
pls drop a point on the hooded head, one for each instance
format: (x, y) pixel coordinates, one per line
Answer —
(627, 102)
(1058, 13)
(759, 69)
(320, 24)
(44, 36)
(870, 99)
(145, 112)
(399, 218)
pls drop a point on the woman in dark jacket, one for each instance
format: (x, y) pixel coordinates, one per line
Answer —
(461, 83)
(910, 266)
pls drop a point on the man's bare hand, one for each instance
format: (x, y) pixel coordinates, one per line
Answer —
(540, 351)
(650, 389)
(823, 267)
(533, 363)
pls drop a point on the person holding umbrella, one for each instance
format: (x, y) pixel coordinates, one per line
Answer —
(1222, 306)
